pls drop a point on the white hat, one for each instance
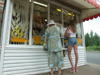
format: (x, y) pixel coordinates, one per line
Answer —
(51, 22)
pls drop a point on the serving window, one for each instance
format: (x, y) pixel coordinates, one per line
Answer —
(67, 16)
(55, 13)
(40, 9)
(20, 22)
(79, 31)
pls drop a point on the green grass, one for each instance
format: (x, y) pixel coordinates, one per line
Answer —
(93, 48)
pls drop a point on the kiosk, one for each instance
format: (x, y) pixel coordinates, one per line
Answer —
(24, 24)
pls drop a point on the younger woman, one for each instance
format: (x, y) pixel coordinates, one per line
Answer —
(72, 42)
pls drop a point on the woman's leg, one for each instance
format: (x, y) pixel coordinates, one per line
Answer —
(69, 55)
(51, 71)
(76, 55)
(51, 62)
(59, 71)
(60, 61)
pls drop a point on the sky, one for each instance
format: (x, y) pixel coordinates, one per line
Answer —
(93, 25)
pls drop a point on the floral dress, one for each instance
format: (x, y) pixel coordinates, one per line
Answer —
(55, 53)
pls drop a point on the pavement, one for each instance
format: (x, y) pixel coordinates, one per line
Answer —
(88, 69)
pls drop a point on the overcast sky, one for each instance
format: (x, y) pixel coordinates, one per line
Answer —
(92, 25)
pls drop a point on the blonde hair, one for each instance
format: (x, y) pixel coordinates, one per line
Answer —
(73, 26)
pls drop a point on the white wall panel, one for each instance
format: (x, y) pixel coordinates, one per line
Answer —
(20, 61)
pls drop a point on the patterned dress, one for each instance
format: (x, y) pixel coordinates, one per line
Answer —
(55, 53)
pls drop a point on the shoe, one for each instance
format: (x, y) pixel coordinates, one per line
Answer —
(72, 70)
(76, 69)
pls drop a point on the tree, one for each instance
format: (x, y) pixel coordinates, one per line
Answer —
(96, 39)
(87, 39)
(91, 38)
(91, 34)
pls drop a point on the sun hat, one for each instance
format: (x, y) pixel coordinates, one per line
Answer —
(51, 22)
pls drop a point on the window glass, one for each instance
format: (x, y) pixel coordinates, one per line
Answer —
(79, 34)
(55, 13)
(67, 16)
(74, 17)
(79, 31)
(20, 22)
(40, 9)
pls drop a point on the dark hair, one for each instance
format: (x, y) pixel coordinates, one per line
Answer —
(73, 26)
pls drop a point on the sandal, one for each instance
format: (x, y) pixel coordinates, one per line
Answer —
(76, 69)
(72, 70)
(60, 73)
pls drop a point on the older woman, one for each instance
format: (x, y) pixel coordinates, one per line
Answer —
(55, 54)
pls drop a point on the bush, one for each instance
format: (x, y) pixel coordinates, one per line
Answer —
(93, 48)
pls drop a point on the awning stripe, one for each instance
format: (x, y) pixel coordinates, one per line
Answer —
(95, 16)
(96, 3)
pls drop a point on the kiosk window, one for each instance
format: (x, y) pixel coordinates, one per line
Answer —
(55, 13)
(67, 16)
(40, 9)
(74, 17)
(79, 34)
(20, 23)
(79, 31)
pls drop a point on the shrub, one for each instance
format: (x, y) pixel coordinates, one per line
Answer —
(93, 48)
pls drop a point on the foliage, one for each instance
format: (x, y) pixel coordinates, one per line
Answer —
(92, 41)
(87, 41)
(93, 48)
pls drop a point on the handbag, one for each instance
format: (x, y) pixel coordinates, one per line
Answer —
(67, 32)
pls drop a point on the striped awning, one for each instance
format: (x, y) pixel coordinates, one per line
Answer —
(96, 3)
(90, 18)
